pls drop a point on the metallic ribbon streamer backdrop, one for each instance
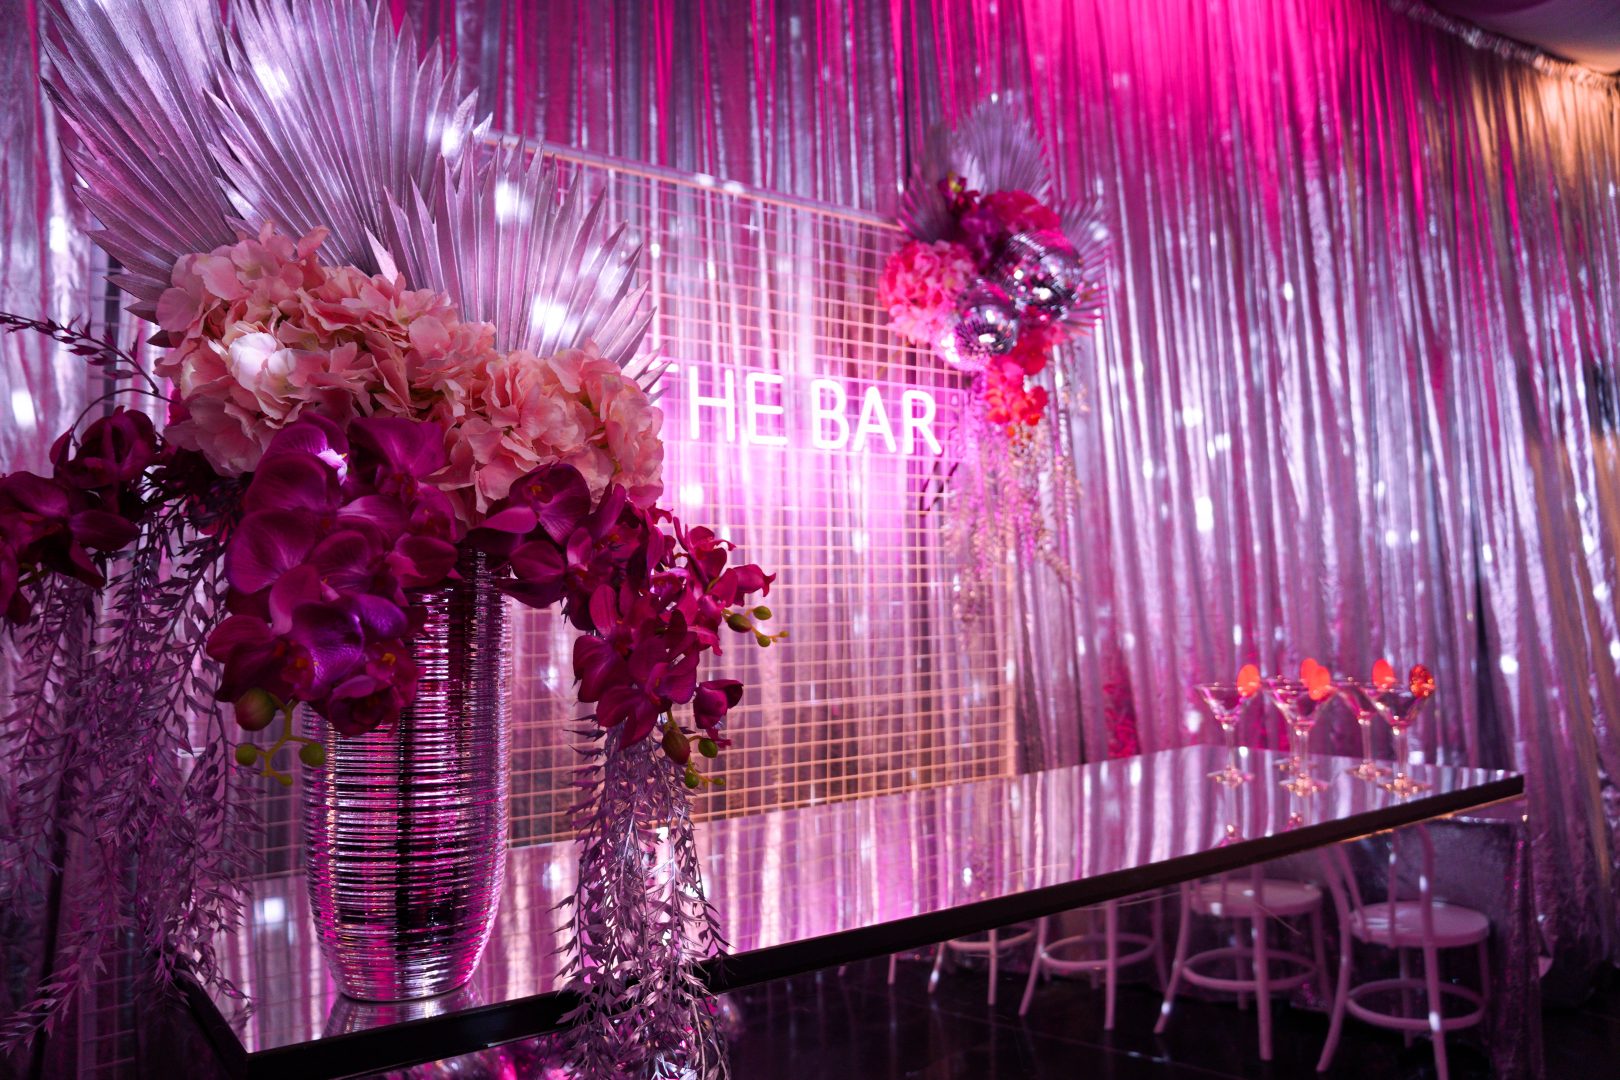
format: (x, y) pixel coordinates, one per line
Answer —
(1355, 392)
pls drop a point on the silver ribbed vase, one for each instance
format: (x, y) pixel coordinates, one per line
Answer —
(405, 827)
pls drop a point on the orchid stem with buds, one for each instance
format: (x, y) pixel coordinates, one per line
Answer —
(310, 751)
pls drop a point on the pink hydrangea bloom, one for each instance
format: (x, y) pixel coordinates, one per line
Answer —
(630, 432)
(576, 408)
(261, 334)
(920, 285)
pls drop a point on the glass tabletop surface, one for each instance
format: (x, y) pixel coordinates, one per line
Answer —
(808, 875)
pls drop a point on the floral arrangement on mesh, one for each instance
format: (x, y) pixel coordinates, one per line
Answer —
(995, 280)
(365, 386)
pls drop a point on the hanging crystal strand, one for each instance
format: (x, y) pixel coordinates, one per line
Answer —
(1069, 399)
(1008, 488)
(638, 923)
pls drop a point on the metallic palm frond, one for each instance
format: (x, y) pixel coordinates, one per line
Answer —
(500, 234)
(132, 80)
(1083, 224)
(993, 148)
(317, 113)
(327, 113)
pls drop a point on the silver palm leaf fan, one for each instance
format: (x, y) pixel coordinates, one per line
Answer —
(307, 113)
(503, 237)
(326, 113)
(1083, 224)
(132, 81)
(993, 148)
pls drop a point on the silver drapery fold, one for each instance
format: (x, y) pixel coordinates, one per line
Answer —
(1355, 392)
(45, 262)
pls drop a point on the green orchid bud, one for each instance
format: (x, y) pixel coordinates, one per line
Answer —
(312, 754)
(762, 612)
(718, 781)
(692, 778)
(247, 754)
(708, 748)
(738, 622)
(256, 709)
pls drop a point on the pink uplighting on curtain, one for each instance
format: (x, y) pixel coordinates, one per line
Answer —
(1356, 393)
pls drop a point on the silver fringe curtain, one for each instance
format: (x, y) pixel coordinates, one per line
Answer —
(1356, 390)
(1355, 393)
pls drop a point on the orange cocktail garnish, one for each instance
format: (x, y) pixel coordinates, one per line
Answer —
(1318, 680)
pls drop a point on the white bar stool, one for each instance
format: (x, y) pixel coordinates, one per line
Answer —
(1222, 898)
(1403, 925)
(991, 946)
(1047, 962)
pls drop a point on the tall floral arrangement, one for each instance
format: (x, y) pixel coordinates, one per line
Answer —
(995, 279)
(365, 386)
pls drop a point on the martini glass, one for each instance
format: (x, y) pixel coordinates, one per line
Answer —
(1302, 783)
(1400, 708)
(1287, 694)
(1225, 701)
(1359, 696)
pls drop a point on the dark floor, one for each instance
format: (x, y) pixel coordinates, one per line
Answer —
(855, 1027)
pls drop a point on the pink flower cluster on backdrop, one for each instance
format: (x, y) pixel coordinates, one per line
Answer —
(922, 282)
(919, 287)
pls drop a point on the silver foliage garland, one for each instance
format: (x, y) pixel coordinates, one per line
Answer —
(106, 765)
(637, 923)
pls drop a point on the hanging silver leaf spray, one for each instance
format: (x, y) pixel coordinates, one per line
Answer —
(638, 921)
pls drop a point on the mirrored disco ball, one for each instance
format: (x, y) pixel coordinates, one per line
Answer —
(1041, 271)
(986, 325)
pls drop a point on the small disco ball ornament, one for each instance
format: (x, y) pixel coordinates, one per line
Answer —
(986, 325)
(1041, 271)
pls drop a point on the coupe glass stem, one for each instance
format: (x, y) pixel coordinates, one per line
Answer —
(1369, 769)
(1302, 783)
(1229, 729)
(1400, 758)
(1290, 767)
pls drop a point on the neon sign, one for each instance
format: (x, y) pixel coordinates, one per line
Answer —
(766, 408)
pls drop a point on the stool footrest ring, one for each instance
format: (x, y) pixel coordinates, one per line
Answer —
(1413, 1023)
(1305, 965)
(1144, 949)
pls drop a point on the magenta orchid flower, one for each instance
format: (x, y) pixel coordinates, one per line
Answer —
(713, 700)
(109, 460)
(339, 533)
(45, 525)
